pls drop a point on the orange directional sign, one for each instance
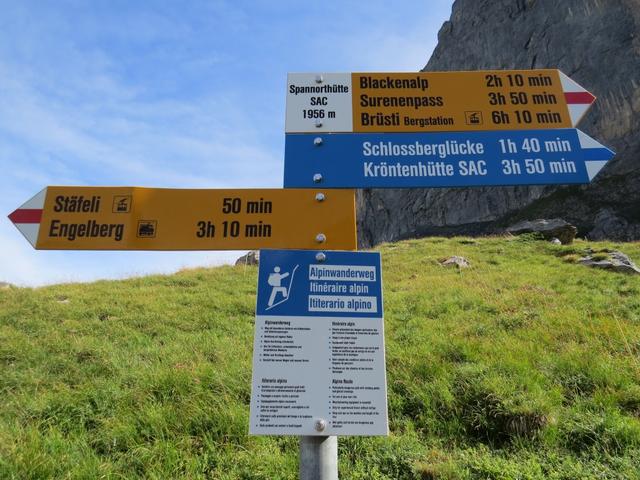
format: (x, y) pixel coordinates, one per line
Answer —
(434, 101)
(134, 218)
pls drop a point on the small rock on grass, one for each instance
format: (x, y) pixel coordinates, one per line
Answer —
(455, 261)
(251, 258)
(616, 261)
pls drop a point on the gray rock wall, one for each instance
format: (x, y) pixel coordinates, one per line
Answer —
(595, 42)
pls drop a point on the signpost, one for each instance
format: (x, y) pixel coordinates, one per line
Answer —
(134, 218)
(414, 130)
(434, 101)
(318, 364)
(461, 159)
(318, 357)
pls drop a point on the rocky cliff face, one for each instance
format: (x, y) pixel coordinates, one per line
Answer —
(595, 42)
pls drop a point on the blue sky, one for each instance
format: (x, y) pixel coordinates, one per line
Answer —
(169, 94)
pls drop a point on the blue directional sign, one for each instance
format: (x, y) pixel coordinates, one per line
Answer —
(319, 284)
(459, 159)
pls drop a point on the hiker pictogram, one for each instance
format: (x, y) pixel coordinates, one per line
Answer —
(275, 282)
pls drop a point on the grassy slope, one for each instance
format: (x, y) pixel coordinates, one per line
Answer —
(523, 366)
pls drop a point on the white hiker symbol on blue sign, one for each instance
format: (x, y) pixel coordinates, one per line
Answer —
(275, 282)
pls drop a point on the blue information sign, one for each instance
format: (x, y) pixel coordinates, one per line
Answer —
(318, 350)
(296, 283)
(459, 159)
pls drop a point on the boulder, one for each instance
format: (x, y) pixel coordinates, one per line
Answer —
(616, 261)
(251, 258)
(550, 229)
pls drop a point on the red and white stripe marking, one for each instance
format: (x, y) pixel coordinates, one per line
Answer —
(578, 99)
(27, 217)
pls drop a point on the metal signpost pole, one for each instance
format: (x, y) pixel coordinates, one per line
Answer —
(319, 458)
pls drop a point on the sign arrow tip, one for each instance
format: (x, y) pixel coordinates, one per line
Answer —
(597, 155)
(594, 167)
(27, 217)
(578, 99)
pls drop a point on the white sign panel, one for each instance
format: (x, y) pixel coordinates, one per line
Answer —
(318, 358)
(319, 102)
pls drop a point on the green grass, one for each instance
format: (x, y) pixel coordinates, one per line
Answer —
(524, 366)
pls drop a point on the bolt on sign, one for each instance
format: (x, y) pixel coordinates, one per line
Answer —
(135, 218)
(318, 355)
(434, 101)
